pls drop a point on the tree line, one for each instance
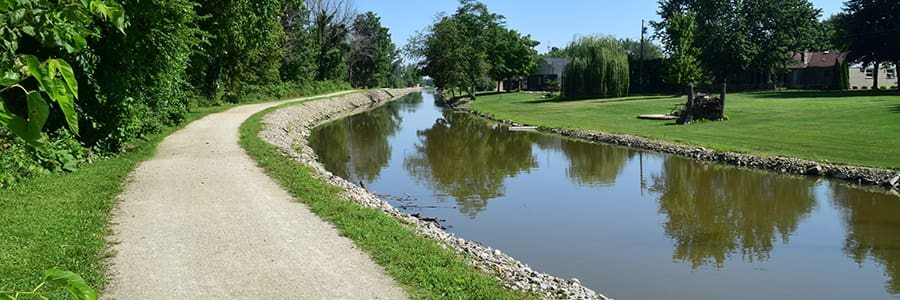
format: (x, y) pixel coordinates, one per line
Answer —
(111, 72)
(708, 41)
(471, 50)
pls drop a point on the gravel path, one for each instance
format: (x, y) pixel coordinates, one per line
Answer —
(201, 221)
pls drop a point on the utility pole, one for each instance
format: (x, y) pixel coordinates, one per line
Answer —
(641, 63)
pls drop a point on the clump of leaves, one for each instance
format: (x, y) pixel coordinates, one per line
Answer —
(55, 282)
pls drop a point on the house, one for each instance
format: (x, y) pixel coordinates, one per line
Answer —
(818, 70)
(549, 68)
(863, 77)
(814, 70)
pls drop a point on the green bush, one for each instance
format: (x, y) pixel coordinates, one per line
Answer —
(18, 160)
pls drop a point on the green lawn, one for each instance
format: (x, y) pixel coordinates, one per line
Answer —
(855, 128)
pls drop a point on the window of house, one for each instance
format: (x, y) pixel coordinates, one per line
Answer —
(870, 73)
(891, 73)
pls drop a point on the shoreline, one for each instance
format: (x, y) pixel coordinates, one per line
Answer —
(289, 128)
(885, 179)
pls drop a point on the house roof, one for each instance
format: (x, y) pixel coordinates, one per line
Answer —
(817, 59)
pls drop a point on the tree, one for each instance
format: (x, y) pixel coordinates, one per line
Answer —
(512, 55)
(480, 30)
(780, 28)
(371, 52)
(299, 62)
(872, 32)
(445, 49)
(244, 46)
(599, 69)
(683, 68)
(331, 25)
(51, 30)
(160, 40)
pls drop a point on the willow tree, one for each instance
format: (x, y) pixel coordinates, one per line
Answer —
(599, 69)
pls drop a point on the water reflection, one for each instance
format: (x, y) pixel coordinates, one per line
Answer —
(468, 160)
(714, 211)
(873, 229)
(358, 148)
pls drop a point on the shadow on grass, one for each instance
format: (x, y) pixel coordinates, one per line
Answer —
(896, 108)
(823, 94)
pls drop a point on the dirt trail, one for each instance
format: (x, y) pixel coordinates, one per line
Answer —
(201, 221)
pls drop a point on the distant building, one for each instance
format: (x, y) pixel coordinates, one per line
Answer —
(814, 70)
(549, 68)
(864, 76)
(817, 70)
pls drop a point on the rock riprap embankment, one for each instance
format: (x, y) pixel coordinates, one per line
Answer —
(289, 129)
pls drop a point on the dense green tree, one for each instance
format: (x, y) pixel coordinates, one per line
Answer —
(330, 28)
(480, 30)
(780, 28)
(683, 68)
(159, 43)
(445, 49)
(371, 52)
(38, 36)
(243, 46)
(871, 32)
(512, 54)
(299, 62)
(599, 69)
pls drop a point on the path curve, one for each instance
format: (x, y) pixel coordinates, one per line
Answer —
(201, 221)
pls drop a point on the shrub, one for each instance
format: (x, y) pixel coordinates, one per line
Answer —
(18, 160)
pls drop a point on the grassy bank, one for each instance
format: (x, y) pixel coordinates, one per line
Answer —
(426, 270)
(854, 128)
(62, 220)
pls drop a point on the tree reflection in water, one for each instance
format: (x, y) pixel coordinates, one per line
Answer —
(468, 159)
(873, 229)
(715, 211)
(357, 148)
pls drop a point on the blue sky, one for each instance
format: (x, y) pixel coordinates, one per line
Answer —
(553, 22)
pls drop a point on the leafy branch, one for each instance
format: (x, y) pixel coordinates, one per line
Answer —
(64, 25)
(55, 282)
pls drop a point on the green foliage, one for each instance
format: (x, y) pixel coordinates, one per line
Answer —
(160, 41)
(843, 74)
(463, 50)
(29, 26)
(734, 36)
(299, 62)
(58, 282)
(371, 52)
(599, 69)
(683, 68)
(869, 30)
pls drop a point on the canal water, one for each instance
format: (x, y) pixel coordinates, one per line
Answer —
(629, 224)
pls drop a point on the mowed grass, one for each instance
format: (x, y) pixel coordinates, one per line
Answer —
(422, 266)
(853, 128)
